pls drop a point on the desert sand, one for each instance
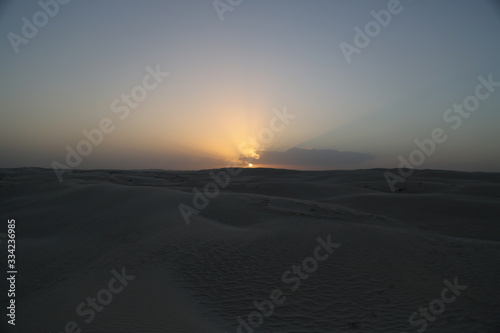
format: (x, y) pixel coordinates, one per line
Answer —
(394, 252)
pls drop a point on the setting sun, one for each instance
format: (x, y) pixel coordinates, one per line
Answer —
(250, 165)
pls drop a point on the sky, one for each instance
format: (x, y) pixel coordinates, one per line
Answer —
(202, 84)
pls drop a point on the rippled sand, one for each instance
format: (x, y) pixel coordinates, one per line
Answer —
(395, 250)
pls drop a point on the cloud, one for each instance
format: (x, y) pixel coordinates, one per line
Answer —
(313, 157)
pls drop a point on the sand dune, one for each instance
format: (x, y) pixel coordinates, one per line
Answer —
(395, 250)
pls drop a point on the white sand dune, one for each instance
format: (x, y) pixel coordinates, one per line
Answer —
(396, 249)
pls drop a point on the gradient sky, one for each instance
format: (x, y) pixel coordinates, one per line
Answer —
(228, 79)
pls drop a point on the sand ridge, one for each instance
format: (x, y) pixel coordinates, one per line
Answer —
(396, 249)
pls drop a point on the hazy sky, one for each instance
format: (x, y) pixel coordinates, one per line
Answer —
(271, 69)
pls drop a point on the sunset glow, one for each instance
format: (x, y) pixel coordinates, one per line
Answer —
(197, 96)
